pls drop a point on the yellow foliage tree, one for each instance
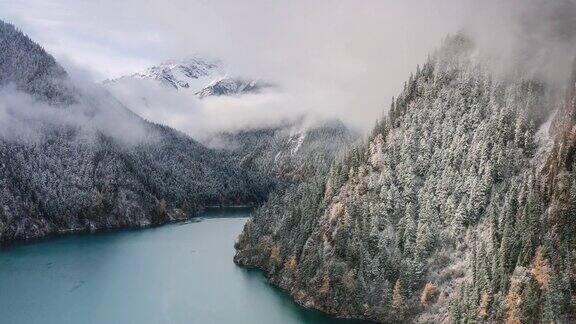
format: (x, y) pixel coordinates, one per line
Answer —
(291, 264)
(397, 298)
(275, 257)
(428, 293)
(541, 269)
(513, 301)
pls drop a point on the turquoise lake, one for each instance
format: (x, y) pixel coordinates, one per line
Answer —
(178, 273)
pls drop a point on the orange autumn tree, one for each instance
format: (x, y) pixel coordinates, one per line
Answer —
(428, 294)
(399, 306)
(397, 298)
(513, 302)
(541, 269)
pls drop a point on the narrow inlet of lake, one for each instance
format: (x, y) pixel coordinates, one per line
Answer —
(178, 273)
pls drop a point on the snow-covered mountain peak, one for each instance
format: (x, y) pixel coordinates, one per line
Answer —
(202, 76)
(180, 74)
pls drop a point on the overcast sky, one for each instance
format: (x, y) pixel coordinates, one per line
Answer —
(344, 58)
(113, 38)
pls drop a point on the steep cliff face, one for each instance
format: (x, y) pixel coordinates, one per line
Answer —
(457, 208)
(72, 160)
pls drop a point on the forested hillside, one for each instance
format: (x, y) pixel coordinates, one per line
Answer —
(72, 160)
(26, 65)
(458, 207)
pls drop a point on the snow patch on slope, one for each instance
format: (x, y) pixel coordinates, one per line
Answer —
(298, 140)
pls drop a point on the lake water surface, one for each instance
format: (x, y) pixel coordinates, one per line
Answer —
(178, 273)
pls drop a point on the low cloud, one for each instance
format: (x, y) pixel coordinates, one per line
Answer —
(536, 37)
(343, 59)
(183, 110)
(25, 119)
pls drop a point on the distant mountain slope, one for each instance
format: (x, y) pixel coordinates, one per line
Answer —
(290, 151)
(232, 86)
(457, 209)
(85, 162)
